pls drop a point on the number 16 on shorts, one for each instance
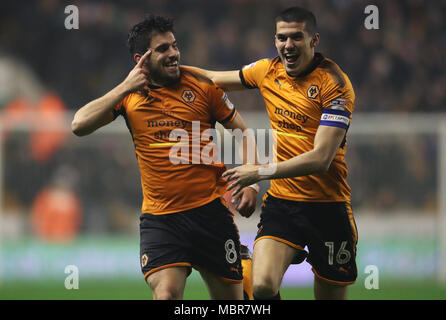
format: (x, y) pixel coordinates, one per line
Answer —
(342, 256)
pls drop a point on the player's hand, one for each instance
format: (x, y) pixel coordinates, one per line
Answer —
(138, 78)
(241, 177)
(246, 201)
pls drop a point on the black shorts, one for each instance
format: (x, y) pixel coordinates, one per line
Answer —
(328, 230)
(204, 238)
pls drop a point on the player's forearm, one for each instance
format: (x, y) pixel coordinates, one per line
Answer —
(207, 73)
(326, 143)
(97, 112)
(227, 80)
(307, 163)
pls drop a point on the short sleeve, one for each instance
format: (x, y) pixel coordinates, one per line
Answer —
(253, 74)
(222, 108)
(120, 107)
(337, 103)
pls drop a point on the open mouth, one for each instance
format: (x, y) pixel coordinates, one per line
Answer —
(171, 66)
(291, 58)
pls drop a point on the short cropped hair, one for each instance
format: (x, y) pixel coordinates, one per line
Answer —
(140, 36)
(298, 14)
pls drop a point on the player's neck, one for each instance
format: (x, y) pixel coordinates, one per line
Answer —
(161, 83)
(308, 66)
(155, 83)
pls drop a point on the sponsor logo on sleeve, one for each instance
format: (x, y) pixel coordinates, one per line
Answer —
(335, 118)
(338, 104)
(226, 100)
(250, 65)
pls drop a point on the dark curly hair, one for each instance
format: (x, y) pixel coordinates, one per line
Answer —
(140, 35)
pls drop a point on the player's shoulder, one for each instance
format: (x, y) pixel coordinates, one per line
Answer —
(333, 73)
(275, 62)
(193, 75)
(133, 99)
(260, 71)
(265, 64)
(202, 86)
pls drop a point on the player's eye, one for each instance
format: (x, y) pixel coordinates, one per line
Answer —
(281, 38)
(162, 48)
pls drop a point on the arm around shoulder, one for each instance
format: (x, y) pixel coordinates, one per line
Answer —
(227, 80)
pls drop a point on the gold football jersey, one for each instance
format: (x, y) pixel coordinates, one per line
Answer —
(297, 106)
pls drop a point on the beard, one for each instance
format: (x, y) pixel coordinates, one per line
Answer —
(159, 75)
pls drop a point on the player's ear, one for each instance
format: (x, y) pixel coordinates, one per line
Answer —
(315, 40)
(136, 57)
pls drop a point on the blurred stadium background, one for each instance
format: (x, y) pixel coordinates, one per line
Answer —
(71, 201)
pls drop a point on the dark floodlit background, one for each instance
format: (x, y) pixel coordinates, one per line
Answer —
(76, 201)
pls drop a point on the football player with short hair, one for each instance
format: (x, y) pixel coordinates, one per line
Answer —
(309, 101)
(185, 221)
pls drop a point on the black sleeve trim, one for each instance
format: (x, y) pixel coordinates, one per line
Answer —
(116, 113)
(228, 118)
(242, 79)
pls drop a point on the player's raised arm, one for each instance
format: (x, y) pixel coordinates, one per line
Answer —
(99, 112)
(227, 80)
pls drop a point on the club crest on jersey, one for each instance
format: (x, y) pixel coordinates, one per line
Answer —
(188, 96)
(313, 91)
(144, 260)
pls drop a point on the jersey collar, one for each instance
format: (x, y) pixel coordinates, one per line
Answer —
(317, 59)
(152, 86)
